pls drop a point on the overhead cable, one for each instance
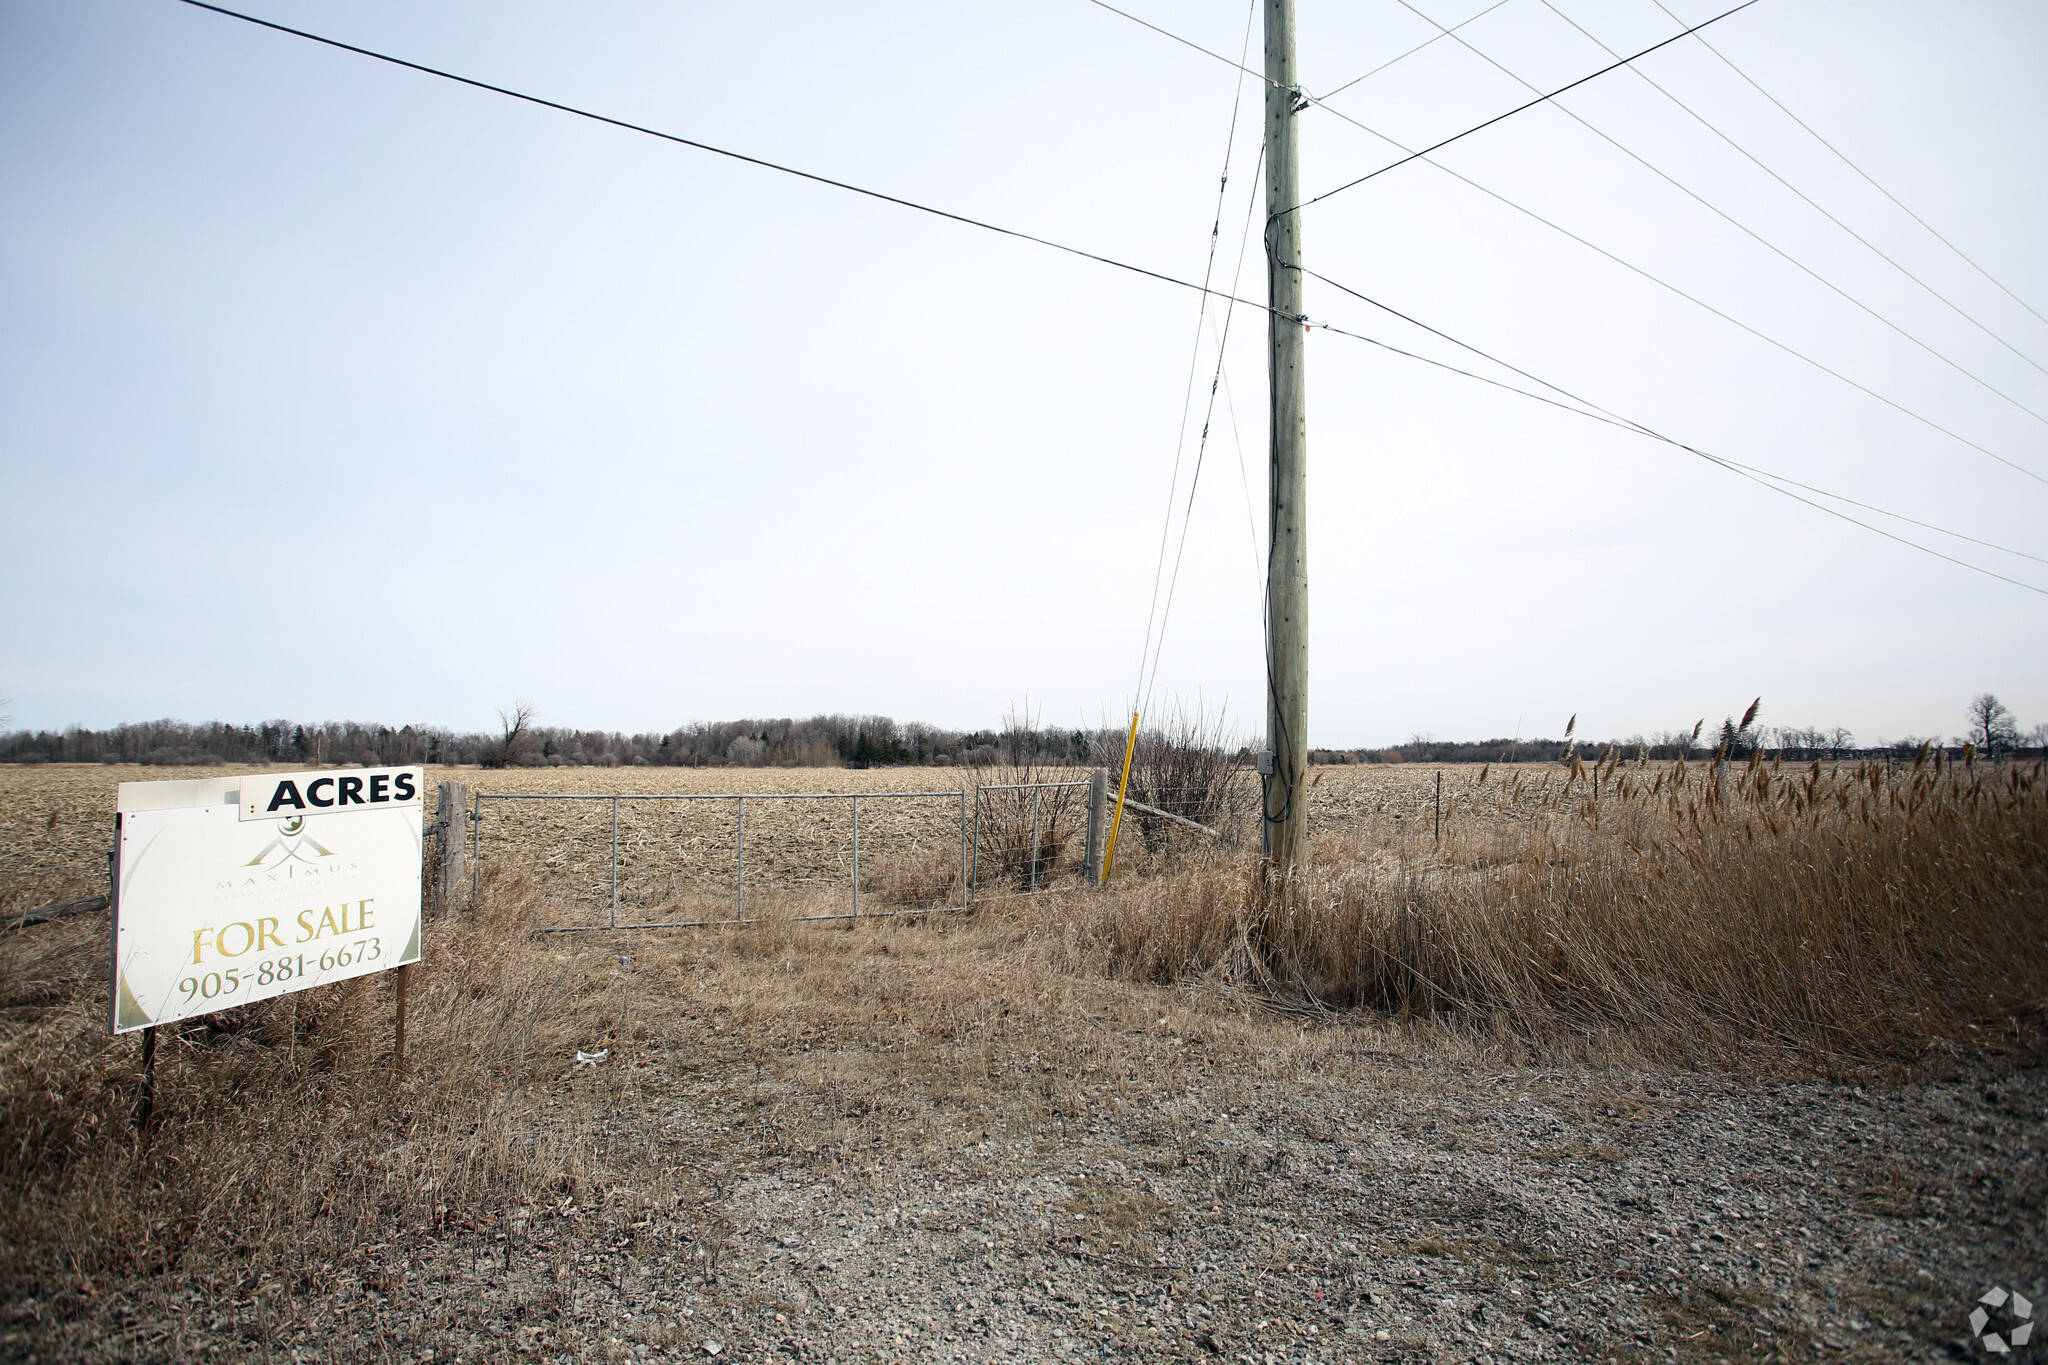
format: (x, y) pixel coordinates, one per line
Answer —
(1332, 94)
(1540, 99)
(1699, 302)
(1072, 251)
(1808, 199)
(1589, 409)
(643, 129)
(1202, 444)
(1844, 156)
(1143, 696)
(1626, 264)
(1742, 227)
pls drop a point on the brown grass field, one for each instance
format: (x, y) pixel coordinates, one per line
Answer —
(1723, 1065)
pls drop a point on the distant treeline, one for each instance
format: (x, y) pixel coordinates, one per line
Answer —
(1792, 744)
(820, 742)
(843, 741)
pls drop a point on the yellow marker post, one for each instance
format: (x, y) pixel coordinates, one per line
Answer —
(1116, 822)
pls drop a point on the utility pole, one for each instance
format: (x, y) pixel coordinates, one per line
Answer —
(1287, 481)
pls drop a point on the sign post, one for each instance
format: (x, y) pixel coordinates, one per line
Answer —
(234, 890)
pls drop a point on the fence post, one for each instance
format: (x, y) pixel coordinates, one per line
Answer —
(452, 811)
(476, 843)
(963, 847)
(739, 882)
(974, 863)
(1098, 798)
(1032, 883)
(856, 855)
(615, 862)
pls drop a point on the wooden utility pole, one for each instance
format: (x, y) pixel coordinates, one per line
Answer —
(1287, 495)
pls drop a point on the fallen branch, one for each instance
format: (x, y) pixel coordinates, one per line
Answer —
(44, 913)
(1169, 815)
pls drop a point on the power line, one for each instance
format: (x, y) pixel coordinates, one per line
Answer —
(1737, 464)
(1844, 156)
(1699, 302)
(1069, 250)
(1628, 265)
(1259, 76)
(1626, 425)
(1202, 447)
(1144, 691)
(1589, 409)
(707, 147)
(1540, 99)
(1732, 221)
(1817, 207)
(1332, 94)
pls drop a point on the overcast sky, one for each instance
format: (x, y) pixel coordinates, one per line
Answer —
(330, 389)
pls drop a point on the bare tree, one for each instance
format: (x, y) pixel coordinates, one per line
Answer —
(517, 738)
(1992, 728)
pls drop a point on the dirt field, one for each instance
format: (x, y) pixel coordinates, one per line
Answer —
(56, 820)
(954, 1139)
(679, 860)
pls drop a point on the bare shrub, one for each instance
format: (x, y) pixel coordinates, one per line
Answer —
(1025, 838)
(1189, 764)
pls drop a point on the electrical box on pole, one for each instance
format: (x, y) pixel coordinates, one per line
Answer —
(1285, 788)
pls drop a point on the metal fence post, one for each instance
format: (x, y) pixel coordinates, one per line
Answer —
(740, 865)
(974, 864)
(615, 862)
(1032, 883)
(963, 848)
(856, 855)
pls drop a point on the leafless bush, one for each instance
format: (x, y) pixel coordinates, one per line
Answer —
(1026, 833)
(1189, 764)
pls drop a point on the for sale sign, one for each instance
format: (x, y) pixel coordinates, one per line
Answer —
(232, 890)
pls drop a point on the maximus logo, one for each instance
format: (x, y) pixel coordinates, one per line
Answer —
(295, 796)
(290, 846)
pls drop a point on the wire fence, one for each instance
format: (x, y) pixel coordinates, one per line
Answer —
(628, 861)
(28, 885)
(1031, 836)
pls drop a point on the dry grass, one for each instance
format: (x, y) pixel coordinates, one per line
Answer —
(282, 1152)
(281, 1144)
(1695, 916)
(1761, 918)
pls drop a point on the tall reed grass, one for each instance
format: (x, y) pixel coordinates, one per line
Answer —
(1694, 914)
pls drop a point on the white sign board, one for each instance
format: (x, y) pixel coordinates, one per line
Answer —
(232, 890)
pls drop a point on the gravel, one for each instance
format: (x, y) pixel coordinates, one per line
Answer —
(1379, 1204)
